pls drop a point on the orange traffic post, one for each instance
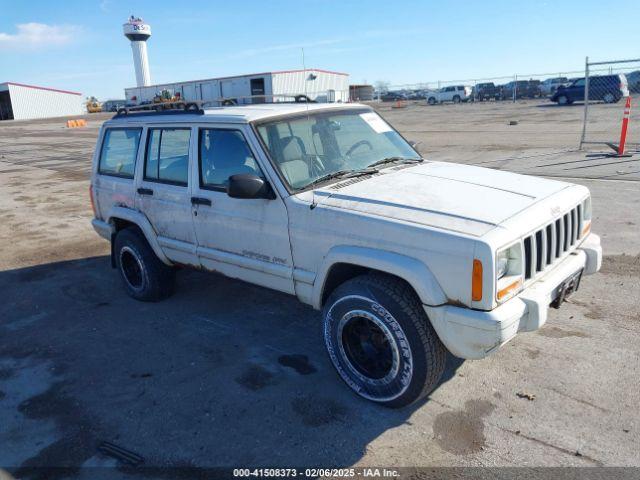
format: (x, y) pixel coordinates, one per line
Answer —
(625, 126)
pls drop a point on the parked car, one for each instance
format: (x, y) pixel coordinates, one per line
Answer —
(550, 85)
(392, 96)
(606, 88)
(485, 91)
(520, 89)
(406, 258)
(454, 93)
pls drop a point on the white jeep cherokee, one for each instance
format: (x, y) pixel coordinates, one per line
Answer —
(405, 257)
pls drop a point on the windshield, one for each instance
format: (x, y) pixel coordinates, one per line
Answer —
(326, 145)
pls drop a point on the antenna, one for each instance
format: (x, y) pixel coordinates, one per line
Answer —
(304, 72)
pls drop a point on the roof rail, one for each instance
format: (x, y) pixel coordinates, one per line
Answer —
(163, 108)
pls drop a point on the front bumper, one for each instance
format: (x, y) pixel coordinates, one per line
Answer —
(473, 334)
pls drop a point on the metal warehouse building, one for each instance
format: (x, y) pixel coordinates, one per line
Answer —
(318, 85)
(24, 102)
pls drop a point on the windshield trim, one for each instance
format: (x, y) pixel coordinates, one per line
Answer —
(290, 190)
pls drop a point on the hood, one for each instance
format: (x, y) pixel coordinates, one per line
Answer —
(449, 196)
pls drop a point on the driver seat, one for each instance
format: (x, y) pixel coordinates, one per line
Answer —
(293, 163)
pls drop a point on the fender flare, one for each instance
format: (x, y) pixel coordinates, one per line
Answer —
(413, 271)
(143, 223)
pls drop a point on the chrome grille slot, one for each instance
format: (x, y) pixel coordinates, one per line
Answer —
(559, 238)
(527, 257)
(546, 245)
(549, 243)
(539, 250)
(579, 221)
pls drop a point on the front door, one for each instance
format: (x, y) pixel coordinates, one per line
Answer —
(163, 191)
(241, 238)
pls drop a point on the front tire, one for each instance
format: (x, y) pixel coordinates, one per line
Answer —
(144, 276)
(563, 100)
(381, 342)
(431, 101)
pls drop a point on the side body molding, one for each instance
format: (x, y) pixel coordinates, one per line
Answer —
(415, 272)
(141, 221)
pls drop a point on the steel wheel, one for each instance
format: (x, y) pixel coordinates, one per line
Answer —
(132, 269)
(367, 345)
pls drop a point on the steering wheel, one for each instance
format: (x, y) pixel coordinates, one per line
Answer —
(357, 145)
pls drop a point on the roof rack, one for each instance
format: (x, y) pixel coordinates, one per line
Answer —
(163, 108)
(196, 107)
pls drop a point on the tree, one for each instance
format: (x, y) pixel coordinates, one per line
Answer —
(381, 85)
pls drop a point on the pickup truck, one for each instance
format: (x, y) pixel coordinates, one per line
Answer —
(405, 257)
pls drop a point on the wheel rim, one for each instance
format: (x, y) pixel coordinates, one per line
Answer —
(562, 100)
(608, 98)
(132, 269)
(368, 347)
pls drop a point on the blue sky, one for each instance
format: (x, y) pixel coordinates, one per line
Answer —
(78, 45)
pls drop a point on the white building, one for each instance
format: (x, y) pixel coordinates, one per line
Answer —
(318, 85)
(24, 102)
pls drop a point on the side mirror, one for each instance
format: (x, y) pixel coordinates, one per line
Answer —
(248, 185)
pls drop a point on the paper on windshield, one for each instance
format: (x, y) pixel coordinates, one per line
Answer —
(375, 122)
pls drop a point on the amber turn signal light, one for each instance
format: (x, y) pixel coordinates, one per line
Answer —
(476, 281)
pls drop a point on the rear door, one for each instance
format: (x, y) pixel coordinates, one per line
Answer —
(241, 238)
(114, 172)
(163, 190)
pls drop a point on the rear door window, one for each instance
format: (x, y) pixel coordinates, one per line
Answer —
(119, 152)
(167, 158)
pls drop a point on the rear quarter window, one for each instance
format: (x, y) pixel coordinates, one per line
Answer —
(119, 151)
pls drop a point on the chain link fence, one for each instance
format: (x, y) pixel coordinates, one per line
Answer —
(609, 92)
(502, 88)
(600, 92)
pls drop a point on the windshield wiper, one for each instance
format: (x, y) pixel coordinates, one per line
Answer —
(396, 159)
(343, 174)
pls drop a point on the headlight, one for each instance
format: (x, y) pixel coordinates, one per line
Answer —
(586, 209)
(509, 261)
(509, 267)
(586, 217)
(502, 263)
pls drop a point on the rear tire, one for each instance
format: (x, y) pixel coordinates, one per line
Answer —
(563, 100)
(381, 342)
(456, 99)
(144, 276)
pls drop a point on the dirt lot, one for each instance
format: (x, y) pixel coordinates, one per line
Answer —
(228, 374)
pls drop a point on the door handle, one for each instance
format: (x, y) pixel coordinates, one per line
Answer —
(145, 191)
(200, 201)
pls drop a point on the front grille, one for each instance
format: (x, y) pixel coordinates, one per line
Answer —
(547, 245)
